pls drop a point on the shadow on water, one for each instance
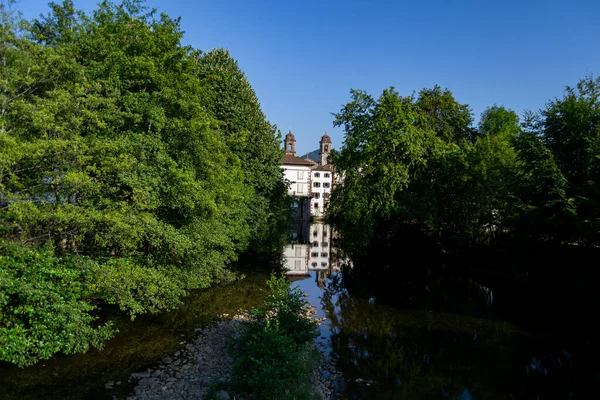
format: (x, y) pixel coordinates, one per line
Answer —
(138, 345)
(402, 325)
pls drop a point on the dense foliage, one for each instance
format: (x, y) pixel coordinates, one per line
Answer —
(275, 356)
(417, 164)
(132, 169)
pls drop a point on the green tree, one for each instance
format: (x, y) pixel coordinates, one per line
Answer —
(571, 130)
(497, 120)
(117, 153)
(251, 137)
(449, 119)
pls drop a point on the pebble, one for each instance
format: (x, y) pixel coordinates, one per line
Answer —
(190, 371)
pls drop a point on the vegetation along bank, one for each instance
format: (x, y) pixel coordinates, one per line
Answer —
(132, 170)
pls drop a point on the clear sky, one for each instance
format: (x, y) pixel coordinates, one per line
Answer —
(303, 57)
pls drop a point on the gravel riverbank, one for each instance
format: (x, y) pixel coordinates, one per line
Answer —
(190, 372)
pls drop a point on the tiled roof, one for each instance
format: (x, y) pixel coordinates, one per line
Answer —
(293, 160)
(327, 167)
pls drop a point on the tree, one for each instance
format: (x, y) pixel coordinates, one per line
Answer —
(120, 165)
(571, 130)
(441, 113)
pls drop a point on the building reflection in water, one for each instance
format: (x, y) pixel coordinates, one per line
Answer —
(310, 249)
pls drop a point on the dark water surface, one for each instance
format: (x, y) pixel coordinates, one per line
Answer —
(455, 338)
(423, 336)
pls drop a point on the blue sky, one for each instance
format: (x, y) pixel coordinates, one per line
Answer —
(303, 57)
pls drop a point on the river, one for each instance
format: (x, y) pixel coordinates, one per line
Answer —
(445, 337)
(426, 336)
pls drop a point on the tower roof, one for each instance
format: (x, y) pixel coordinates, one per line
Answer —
(325, 138)
(290, 136)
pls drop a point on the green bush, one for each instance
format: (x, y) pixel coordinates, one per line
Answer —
(285, 309)
(275, 358)
(273, 366)
(43, 309)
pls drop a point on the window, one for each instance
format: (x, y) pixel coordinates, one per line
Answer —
(317, 175)
(297, 265)
(298, 250)
(326, 184)
(296, 204)
(315, 244)
(300, 188)
(323, 254)
(289, 146)
(316, 205)
(325, 244)
(314, 264)
(315, 233)
(323, 264)
(326, 195)
(314, 254)
(316, 184)
(317, 196)
(326, 147)
(326, 175)
(300, 174)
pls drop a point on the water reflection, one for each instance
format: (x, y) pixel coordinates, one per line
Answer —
(444, 337)
(310, 249)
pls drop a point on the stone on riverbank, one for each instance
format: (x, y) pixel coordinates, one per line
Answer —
(189, 373)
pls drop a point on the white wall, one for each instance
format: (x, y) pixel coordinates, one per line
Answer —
(299, 176)
(295, 258)
(320, 246)
(321, 179)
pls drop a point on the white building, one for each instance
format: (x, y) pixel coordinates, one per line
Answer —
(297, 171)
(320, 246)
(311, 183)
(322, 179)
(309, 249)
(296, 253)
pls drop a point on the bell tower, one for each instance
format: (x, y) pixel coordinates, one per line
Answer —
(324, 149)
(290, 143)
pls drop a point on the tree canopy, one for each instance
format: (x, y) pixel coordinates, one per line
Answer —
(417, 163)
(132, 169)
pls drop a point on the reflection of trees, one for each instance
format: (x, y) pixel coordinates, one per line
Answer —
(422, 354)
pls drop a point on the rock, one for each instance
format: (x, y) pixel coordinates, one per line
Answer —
(146, 381)
(158, 374)
(141, 375)
(222, 395)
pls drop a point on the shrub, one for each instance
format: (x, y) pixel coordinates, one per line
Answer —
(273, 366)
(275, 358)
(43, 309)
(285, 309)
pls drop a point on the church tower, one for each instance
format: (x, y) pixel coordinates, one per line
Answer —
(290, 143)
(325, 148)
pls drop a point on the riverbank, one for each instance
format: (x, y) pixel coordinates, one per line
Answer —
(139, 345)
(202, 367)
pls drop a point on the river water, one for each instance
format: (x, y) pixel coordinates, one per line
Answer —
(444, 337)
(427, 336)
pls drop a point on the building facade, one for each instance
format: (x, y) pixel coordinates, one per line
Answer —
(310, 249)
(311, 183)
